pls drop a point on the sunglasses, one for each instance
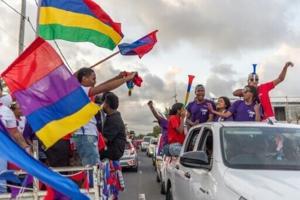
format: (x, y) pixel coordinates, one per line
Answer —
(245, 90)
(252, 79)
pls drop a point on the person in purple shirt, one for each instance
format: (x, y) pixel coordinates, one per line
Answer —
(247, 109)
(163, 123)
(223, 104)
(197, 110)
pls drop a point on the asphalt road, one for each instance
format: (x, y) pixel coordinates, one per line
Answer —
(142, 183)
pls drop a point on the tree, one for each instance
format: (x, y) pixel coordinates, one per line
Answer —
(167, 111)
(156, 131)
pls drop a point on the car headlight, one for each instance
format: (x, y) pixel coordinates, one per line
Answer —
(242, 198)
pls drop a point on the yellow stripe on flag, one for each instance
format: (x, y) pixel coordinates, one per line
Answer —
(52, 132)
(51, 15)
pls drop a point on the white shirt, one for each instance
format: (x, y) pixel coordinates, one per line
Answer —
(21, 123)
(90, 128)
(9, 121)
(7, 117)
(6, 100)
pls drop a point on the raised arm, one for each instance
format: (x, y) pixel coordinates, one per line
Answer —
(282, 75)
(119, 76)
(154, 112)
(111, 85)
(238, 93)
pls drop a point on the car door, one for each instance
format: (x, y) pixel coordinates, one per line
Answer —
(202, 182)
(181, 173)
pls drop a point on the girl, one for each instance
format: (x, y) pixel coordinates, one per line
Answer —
(176, 128)
(223, 105)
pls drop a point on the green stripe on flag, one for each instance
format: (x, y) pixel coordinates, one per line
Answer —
(74, 34)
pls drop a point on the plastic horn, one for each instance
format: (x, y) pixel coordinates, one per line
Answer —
(254, 68)
(191, 78)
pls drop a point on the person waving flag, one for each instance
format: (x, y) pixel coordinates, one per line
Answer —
(50, 97)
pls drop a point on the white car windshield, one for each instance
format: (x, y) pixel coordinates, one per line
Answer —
(153, 141)
(147, 139)
(261, 147)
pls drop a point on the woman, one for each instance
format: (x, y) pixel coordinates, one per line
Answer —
(176, 128)
(163, 123)
(223, 105)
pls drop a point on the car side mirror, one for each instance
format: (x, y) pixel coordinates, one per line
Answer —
(195, 159)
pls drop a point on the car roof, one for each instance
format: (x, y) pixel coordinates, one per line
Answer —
(248, 124)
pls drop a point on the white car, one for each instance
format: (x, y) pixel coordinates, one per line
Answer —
(157, 157)
(145, 143)
(151, 147)
(130, 157)
(237, 161)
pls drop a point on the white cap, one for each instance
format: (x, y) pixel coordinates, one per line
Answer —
(6, 100)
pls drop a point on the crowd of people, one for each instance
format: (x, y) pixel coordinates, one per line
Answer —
(254, 105)
(103, 137)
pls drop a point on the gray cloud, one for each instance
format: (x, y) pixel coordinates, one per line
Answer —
(134, 108)
(213, 26)
(221, 82)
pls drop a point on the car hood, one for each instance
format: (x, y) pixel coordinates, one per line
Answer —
(264, 184)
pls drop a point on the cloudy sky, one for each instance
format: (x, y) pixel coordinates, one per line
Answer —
(217, 41)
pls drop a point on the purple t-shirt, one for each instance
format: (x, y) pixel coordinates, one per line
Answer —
(163, 123)
(199, 111)
(222, 119)
(242, 112)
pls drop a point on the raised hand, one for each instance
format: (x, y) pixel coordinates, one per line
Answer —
(150, 103)
(289, 63)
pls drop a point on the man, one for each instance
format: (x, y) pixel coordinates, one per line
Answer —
(113, 129)
(86, 138)
(197, 110)
(9, 121)
(264, 89)
(5, 99)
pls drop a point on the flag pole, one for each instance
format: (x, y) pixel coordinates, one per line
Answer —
(105, 59)
(38, 18)
(22, 27)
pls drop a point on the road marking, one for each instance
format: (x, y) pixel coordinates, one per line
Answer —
(142, 197)
(141, 172)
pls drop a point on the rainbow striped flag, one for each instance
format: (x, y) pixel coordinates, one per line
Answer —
(50, 97)
(78, 21)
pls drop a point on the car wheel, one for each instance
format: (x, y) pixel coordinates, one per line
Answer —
(162, 187)
(157, 178)
(169, 195)
(135, 169)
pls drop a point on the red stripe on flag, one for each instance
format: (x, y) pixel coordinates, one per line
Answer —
(103, 16)
(32, 65)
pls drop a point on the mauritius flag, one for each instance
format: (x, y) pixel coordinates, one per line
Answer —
(78, 21)
(139, 47)
(50, 97)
